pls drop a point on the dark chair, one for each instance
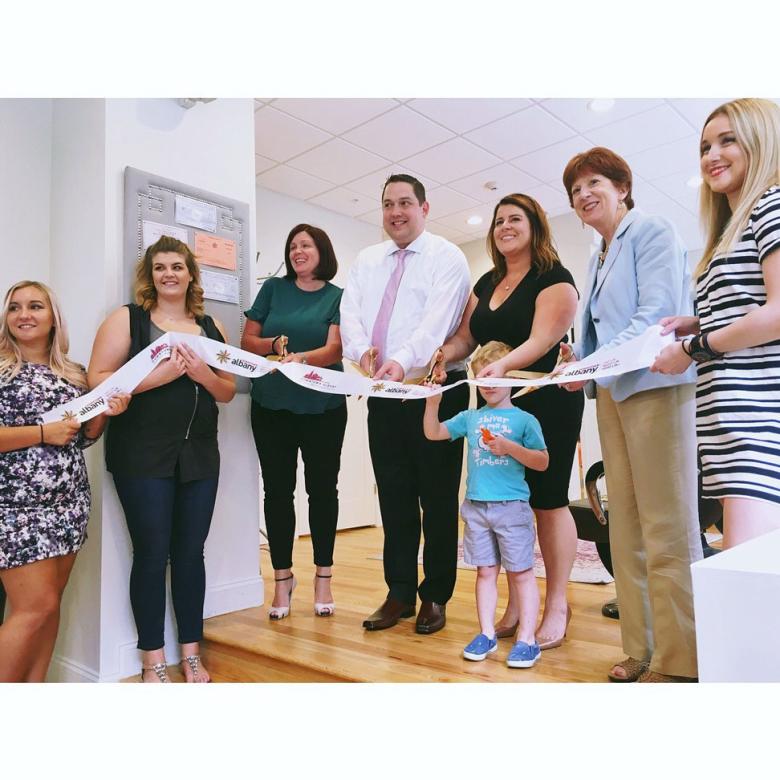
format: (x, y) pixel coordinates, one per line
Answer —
(592, 520)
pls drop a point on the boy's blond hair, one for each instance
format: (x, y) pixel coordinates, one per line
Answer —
(488, 353)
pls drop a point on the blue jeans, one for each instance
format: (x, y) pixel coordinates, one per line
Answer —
(167, 519)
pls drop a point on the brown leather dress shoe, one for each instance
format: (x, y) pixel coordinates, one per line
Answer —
(432, 617)
(388, 615)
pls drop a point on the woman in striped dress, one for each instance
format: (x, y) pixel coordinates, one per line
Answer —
(735, 340)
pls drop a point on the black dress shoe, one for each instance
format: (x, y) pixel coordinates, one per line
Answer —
(610, 609)
(432, 617)
(388, 615)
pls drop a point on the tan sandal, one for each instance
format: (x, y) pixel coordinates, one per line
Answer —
(633, 668)
(658, 677)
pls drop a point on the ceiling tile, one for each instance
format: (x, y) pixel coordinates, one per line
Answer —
(291, 182)
(371, 185)
(552, 200)
(645, 195)
(439, 229)
(344, 202)
(280, 136)
(452, 160)
(576, 114)
(696, 110)
(680, 157)
(658, 126)
(444, 201)
(335, 116)
(684, 222)
(464, 114)
(549, 163)
(677, 189)
(374, 217)
(507, 179)
(263, 164)
(458, 220)
(338, 161)
(398, 134)
(520, 133)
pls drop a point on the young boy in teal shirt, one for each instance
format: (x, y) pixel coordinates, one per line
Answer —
(499, 523)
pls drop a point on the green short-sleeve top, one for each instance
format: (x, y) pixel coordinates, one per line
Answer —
(305, 317)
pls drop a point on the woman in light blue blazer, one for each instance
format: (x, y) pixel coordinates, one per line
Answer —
(646, 421)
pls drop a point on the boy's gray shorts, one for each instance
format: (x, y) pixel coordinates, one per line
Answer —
(498, 531)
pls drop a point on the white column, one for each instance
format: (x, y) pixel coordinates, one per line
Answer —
(210, 146)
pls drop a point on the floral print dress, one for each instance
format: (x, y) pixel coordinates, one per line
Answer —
(44, 491)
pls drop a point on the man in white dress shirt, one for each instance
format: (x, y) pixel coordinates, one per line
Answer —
(403, 299)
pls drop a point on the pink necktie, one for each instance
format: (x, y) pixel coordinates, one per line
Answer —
(379, 333)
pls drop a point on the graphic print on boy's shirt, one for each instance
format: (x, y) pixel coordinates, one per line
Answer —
(495, 477)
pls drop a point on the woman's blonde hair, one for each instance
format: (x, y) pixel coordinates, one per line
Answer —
(756, 125)
(145, 291)
(59, 362)
(489, 353)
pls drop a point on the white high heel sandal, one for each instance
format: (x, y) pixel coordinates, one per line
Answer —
(277, 613)
(325, 609)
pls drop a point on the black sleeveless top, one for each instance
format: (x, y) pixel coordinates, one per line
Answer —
(511, 322)
(170, 430)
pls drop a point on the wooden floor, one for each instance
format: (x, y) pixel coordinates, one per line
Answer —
(246, 646)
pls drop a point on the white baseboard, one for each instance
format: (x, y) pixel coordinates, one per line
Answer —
(233, 596)
(64, 669)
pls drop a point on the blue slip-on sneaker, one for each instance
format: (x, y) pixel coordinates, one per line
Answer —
(521, 656)
(479, 647)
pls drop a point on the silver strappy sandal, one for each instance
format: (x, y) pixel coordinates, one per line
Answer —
(161, 670)
(194, 663)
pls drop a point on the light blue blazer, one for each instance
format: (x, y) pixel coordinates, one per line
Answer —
(645, 277)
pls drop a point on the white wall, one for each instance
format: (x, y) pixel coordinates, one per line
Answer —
(78, 270)
(25, 162)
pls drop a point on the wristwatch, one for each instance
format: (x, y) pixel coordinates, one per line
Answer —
(303, 358)
(700, 350)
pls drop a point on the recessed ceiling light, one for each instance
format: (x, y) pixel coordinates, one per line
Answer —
(474, 219)
(599, 105)
(694, 182)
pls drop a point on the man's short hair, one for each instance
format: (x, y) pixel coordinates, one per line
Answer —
(417, 185)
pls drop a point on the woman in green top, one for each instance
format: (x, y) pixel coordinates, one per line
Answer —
(286, 418)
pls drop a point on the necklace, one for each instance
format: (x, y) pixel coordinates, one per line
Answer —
(603, 255)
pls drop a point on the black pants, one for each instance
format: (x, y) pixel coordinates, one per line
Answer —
(279, 435)
(167, 519)
(412, 472)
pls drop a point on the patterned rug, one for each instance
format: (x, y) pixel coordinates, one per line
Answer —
(587, 567)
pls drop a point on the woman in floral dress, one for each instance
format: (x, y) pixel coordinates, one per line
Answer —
(44, 491)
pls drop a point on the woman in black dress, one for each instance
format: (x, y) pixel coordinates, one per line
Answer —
(529, 301)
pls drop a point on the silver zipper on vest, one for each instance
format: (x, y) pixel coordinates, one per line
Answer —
(194, 409)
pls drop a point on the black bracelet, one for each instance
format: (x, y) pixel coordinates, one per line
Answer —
(683, 342)
(705, 342)
(41, 427)
(273, 345)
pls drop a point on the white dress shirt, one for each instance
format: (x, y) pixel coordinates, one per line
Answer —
(428, 308)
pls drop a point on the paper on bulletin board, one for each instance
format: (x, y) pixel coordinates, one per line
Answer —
(219, 287)
(196, 213)
(216, 251)
(152, 231)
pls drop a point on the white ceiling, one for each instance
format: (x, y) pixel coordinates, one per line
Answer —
(337, 153)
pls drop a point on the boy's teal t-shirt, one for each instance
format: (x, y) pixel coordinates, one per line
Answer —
(305, 317)
(496, 477)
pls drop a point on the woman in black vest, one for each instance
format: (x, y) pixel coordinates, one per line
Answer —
(163, 455)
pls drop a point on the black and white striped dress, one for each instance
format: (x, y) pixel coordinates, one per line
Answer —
(738, 395)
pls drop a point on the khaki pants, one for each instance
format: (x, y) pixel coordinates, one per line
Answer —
(648, 443)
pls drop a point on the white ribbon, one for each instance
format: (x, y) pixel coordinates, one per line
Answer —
(638, 353)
